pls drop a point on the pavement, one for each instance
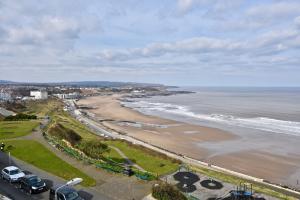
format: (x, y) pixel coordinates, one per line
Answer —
(202, 187)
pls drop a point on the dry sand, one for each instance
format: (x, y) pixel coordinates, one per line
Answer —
(184, 138)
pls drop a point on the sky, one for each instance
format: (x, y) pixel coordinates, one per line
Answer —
(173, 42)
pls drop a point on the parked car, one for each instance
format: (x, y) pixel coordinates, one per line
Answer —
(32, 184)
(12, 174)
(64, 193)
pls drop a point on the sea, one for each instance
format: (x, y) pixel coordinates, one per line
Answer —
(265, 118)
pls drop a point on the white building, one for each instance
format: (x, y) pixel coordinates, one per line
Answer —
(39, 94)
(4, 96)
(74, 95)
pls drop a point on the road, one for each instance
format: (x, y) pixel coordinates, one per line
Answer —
(11, 190)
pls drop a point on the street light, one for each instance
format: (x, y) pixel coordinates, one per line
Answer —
(72, 182)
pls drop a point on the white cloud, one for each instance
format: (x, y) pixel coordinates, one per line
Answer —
(185, 5)
(130, 36)
(297, 21)
(276, 11)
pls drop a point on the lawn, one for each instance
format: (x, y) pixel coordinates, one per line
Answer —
(42, 108)
(36, 154)
(147, 159)
(236, 181)
(13, 129)
(114, 155)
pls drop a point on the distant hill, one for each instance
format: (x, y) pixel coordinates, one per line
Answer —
(5, 82)
(106, 84)
(85, 84)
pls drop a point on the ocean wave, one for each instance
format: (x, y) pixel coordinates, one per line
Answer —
(259, 123)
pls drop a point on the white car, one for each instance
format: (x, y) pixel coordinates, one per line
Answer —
(12, 174)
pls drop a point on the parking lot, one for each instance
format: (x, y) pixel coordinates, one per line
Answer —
(12, 191)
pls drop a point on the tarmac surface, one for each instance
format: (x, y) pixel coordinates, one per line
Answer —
(12, 191)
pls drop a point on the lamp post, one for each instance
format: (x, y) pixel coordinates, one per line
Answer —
(72, 182)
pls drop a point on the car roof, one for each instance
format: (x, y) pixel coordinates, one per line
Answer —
(64, 190)
(10, 168)
(29, 176)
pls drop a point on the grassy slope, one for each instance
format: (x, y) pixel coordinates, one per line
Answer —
(143, 158)
(42, 108)
(36, 154)
(13, 129)
(150, 162)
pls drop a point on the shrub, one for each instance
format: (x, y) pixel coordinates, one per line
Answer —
(93, 148)
(62, 132)
(165, 191)
(19, 117)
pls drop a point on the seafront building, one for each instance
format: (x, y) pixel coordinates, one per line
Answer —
(74, 95)
(39, 95)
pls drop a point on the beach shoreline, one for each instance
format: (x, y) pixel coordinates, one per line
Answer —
(183, 139)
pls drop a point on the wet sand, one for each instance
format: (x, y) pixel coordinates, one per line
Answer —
(184, 138)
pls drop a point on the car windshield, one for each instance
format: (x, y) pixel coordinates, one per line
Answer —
(34, 179)
(71, 195)
(15, 171)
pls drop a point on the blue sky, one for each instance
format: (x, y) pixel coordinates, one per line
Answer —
(174, 42)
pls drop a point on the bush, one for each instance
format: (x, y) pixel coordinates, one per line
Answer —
(62, 132)
(20, 117)
(165, 191)
(93, 148)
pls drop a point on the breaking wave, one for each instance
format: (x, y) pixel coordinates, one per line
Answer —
(260, 123)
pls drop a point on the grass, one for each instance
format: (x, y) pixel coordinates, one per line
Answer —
(14, 129)
(36, 154)
(259, 188)
(69, 122)
(112, 154)
(42, 108)
(147, 159)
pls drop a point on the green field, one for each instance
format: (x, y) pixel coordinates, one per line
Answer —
(13, 129)
(36, 154)
(147, 159)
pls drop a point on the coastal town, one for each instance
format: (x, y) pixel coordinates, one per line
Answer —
(131, 151)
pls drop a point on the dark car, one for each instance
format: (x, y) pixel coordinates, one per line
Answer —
(64, 193)
(32, 184)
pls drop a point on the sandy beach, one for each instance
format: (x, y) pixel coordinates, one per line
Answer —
(184, 138)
